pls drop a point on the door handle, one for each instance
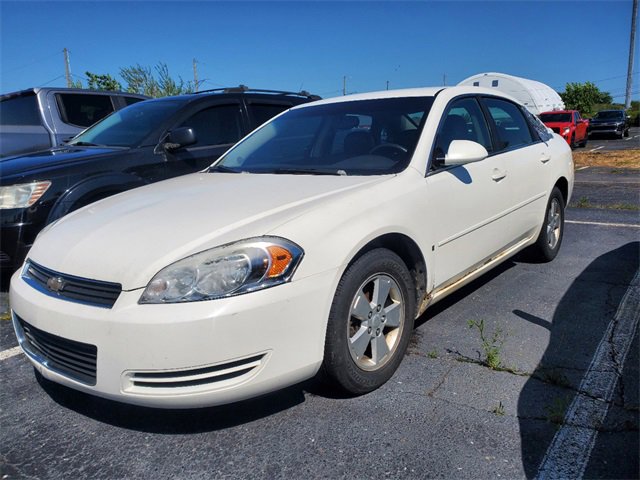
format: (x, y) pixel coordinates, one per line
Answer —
(498, 174)
(545, 157)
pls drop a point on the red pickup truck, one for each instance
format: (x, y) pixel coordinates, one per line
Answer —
(569, 125)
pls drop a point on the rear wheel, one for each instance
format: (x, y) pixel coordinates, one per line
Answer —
(370, 323)
(550, 237)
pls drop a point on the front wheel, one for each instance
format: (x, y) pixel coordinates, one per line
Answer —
(370, 322)
(550, 237)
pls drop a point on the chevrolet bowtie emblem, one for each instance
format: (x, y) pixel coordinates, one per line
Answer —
(55, 284)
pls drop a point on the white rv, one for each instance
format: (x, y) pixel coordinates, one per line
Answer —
(536, 96)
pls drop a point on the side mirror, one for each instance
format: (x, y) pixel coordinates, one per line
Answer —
(465, 151)
(180, 137)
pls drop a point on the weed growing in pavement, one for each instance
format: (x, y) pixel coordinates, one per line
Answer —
(557, 410)
(498, 409)
(432, 354)
(492, 346)
(583, 203)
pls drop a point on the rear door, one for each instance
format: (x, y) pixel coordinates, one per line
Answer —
(261, 110)
(527, 161)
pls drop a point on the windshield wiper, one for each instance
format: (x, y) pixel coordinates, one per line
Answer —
(304, 171)
(85, 144)
(223, 169)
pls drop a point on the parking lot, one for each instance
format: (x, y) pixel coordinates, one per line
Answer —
(606, 143)
(567, 350)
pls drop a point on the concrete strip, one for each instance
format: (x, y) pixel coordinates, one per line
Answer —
(12, 352)
(569, 452)
(603, 224)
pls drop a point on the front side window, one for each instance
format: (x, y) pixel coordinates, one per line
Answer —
(512, 128)
(130, 126)
(217, 125)
(367, 137)
(463, 120)
(83, 110)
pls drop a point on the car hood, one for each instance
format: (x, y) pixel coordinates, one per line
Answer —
(129, 237)
(607, 120)
(53, 157)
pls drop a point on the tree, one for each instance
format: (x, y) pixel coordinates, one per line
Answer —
(142, 80)
(102, 82)
(583, 96)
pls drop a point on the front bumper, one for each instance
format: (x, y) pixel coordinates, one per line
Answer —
(606, 128)
(183, 355)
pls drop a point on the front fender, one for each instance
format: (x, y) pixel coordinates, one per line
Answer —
(108, 182)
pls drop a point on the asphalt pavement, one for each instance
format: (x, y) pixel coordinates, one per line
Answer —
(605, 143)
(562, 402)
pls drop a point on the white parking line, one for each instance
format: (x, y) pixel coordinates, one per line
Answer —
(12, 352)
(597, 148)
(604, 224)
(570, 449)
(582, 168)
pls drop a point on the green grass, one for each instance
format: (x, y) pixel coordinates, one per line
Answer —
(491, 345)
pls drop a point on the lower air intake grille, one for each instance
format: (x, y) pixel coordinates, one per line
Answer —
(197, 376)
(70, 288)
(70, 358)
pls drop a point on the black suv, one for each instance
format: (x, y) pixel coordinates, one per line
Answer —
(146, 142)
(610, 121)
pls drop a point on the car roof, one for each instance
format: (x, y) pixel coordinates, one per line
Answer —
(36, 90)
(411, 92)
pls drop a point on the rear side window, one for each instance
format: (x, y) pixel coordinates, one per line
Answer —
(513, 130)
(261, 112)
(83, 110)
(217, 125)
(21, 110)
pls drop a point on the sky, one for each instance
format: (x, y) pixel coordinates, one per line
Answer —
(313, 45)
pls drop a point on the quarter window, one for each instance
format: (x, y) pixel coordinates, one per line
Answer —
(511, 126)
(263, 112)
(216, 125)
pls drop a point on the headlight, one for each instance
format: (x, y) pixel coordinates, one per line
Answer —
(566, 130)
(225, 271)
(23, 195)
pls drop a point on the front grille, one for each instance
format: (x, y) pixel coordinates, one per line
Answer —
(73, 289)
(73, 359)
(195, 377)
(555, 129)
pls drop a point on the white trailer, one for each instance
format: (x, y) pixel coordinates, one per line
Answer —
(536, 96)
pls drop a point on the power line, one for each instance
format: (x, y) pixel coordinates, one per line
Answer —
(51, 81)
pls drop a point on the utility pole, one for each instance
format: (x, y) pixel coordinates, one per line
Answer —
(344, 85)
(444, 79)
(387, 84)
(67, 68)
(195, 74)
(627, 98)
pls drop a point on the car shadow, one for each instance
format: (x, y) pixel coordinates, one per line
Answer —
(577, 327)
(173, 421)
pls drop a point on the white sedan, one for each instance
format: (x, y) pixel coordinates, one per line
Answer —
(309, 247)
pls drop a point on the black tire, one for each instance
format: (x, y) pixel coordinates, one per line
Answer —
(626, 132)
(342, 368)
(550, 237)
(584, 142)
(573, 141)
(620, 135)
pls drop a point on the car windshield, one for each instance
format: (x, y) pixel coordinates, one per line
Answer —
(128, 127)
(555, 117)
(609, 114)
(366, 137)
